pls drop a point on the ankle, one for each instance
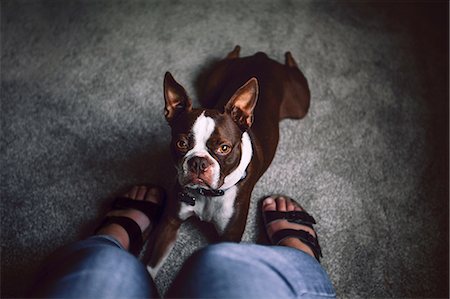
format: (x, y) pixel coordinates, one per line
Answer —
(297, 244)
(117, 232)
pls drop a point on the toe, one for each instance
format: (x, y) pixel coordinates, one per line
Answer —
(290, 205)
(281, 204)
(269, 204)
(141, 193)
(133, 192)
(297, 207)
(154, 195)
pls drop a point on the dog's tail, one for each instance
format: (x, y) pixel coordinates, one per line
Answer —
(297, 95)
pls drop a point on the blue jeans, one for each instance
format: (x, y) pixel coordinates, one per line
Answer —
(99, 268)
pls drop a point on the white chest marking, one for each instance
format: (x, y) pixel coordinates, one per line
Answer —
(217, 210)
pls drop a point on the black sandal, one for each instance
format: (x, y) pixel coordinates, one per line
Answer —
(298, 217)
(152, 210)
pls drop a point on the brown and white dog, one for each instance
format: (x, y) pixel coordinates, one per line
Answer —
(221, 150)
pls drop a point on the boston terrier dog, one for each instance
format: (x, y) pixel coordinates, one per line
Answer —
(221, 150)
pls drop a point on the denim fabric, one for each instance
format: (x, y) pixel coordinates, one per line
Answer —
(99, 268)
(94, 268)
(229, 270)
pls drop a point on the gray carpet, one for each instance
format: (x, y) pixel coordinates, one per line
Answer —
(82, 120)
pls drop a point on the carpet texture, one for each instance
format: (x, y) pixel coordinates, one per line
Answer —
(82, 121)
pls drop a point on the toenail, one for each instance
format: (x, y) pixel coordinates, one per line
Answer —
(268, 200)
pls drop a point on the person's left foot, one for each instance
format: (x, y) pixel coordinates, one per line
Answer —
(138, 193)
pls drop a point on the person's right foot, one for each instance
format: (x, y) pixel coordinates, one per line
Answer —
(286, 204)
(138, 193)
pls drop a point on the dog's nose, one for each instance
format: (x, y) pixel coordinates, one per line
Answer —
(198, 164)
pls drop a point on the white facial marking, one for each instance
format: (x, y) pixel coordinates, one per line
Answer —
(246, 156)
(202, 129)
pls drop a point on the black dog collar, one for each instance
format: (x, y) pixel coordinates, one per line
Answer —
(185, 196)
(190, 200)
(209, 192)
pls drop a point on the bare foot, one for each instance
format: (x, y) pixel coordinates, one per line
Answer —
(151, 194)
(285, 204)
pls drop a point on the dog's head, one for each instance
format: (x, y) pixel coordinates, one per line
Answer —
(211, 149)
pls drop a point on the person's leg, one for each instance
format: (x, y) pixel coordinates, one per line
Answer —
(101, 266)
(254, 271)
(98, 267)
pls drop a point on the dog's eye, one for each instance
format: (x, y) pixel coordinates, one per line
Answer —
(182, 144)
(224, 149)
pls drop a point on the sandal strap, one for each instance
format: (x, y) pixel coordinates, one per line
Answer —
(150, 209)
(299, 217)
(131, 227)
(303, 236)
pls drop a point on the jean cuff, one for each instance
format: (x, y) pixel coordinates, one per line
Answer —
(107, 239)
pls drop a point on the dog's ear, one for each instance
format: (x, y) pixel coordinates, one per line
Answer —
(242, 103)
(175, 97)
